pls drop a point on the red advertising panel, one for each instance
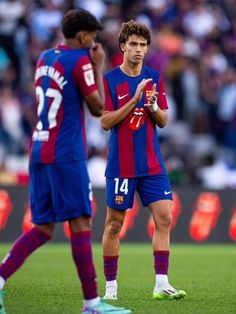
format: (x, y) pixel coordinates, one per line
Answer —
(205, 216)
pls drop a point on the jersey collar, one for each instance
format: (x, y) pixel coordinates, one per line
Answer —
(61, 46)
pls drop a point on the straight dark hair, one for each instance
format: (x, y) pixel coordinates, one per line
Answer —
(79, 20)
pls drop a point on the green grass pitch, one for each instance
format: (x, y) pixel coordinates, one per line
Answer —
(47, 283)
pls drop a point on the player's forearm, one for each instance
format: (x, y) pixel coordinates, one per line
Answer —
(160, 117)
(112, 118)
(99, 83)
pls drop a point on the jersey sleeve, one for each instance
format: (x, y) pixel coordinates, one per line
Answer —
(108, 99)
(162, 103)
(84, 76)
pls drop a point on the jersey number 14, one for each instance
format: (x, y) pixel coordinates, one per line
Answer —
(121, 187)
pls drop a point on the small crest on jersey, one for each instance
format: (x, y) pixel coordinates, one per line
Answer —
(148, 93)
(119, 199)
(57, 51)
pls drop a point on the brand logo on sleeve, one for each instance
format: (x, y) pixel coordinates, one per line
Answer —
(89, 77)
(87, 66)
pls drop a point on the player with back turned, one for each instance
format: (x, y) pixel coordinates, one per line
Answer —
(135, 104)
(60, 189)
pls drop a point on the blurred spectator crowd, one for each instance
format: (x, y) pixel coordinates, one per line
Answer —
(193, 45)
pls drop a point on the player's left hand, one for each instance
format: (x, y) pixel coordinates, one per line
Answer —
(139, 90)
(97, 56)
(153, 97)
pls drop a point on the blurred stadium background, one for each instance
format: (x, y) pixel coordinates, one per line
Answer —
(194, 45)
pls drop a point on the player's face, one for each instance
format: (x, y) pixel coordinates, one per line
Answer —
(135, 49)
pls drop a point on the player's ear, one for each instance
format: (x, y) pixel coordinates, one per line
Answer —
(80, 37)
(122, 47)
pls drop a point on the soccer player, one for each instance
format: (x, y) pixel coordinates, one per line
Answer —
(135, 104)
(60, 189)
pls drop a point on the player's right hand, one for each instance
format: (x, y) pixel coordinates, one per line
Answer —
(97, 56)
(139, 90)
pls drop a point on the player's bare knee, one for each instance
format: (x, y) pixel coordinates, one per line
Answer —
(80, 224)
(114, 227)
(47, 228)
(164, 222)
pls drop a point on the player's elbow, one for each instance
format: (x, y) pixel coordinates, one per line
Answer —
(162, 121)
(105, 123)
(97, 111)
(95, 105)
(162, 124)
(105, 127)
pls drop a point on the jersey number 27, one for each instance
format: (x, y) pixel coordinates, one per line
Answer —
(53, 110)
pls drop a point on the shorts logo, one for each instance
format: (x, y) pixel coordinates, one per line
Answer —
(119, 199)
(137, 118)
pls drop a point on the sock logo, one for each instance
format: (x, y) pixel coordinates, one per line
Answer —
(6, 258)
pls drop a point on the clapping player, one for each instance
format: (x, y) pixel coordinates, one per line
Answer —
(135, 105)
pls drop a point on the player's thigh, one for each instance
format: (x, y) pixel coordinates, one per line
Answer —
(120, 193)
(40, 195)
(161, 212)
(154, 188)
(71, 188)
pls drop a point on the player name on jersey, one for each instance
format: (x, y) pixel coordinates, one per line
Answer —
(51, 72)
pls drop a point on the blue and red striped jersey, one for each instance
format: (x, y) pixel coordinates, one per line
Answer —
(133, 149)
(63, 77)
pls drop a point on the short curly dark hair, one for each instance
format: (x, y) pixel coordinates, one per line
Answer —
(134, 28)
(79, 20)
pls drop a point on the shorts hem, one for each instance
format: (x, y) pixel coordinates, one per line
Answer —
(61, 219)
(119, 209)
(158, 199)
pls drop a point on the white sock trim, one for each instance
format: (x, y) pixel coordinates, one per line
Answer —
(92, 302)
(112, 283)
(2, 283)
(161, 280)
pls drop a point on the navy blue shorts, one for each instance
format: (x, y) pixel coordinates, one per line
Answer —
(59, 192)
(120, 192)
